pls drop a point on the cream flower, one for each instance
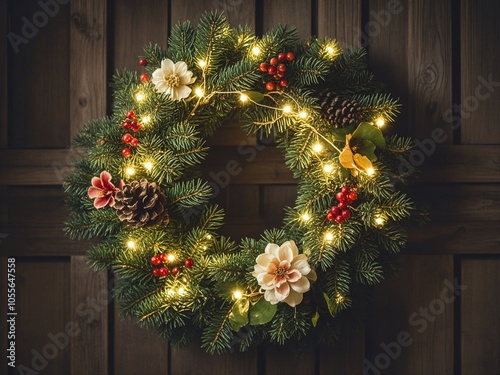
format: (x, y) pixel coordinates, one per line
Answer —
(283, 273)
(173, 79)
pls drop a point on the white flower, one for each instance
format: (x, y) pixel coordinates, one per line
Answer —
(173, 79)
(283, 273)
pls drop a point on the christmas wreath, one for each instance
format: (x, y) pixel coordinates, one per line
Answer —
(139, 187)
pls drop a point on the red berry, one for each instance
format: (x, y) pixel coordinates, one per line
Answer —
(281, 56)
(339, 219)
(137, 128)
(126, 152)
(189, 262)
(144, 77)
(340, 196)
(163, 271)
(131, 114)
(155, 260)
(282, 67)
(335, 211)
(345, 190)
(353, 196)
(156, 272)
(134, 142)
(283, 82)
(126, 138)
(269, 86)
(127, 124)
(290, 56)
(175, 271)
(330, 216)
(143, 62)
(163, 257)
(280, 74)
(342, 206)
(273, 61)
(346, 214)
(272, 70)
(263, 67)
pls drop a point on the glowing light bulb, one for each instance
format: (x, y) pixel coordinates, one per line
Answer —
(328, 168)
(209, 236)
(130, 171)
(140, 97)
(303, 114)
(199, 92)
(148, 165)
(131, 244)
(287, 109)
(328, 237)
(340, 298)
(330, 50)
(380, 122)
(370, 171)
(146, 120)
(256, 51)
(170, 257)
(379, 220)
(171, 292)
(306, 217)
(204, 248)
(202, 63)
(181, 291)
(237, 294)
(243, 98)
(318, 147)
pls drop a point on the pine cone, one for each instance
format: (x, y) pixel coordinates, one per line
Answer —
(339, 112)
(140, 203)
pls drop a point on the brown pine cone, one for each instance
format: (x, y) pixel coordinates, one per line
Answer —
(140, 203)
(339, 112)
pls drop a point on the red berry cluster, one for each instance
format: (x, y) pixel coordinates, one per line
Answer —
(162, 260)
(144, 76)
(341, 212)
(276, 68)
(130, 123)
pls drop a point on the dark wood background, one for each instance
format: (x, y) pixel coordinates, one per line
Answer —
(434, 54)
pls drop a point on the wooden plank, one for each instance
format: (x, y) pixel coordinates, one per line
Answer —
(411, 321)
(88, 63)
(480, 323)
(3, 76)
(283, 360)
(242, 201)
(297, 13)
(137, 24)
(479, 72)
(38, 85)
(89, 309)
(274, 199)
(344, 357)
(429, 73)
(193, 360)
(43, 325)
(341, 20)
(137, 350)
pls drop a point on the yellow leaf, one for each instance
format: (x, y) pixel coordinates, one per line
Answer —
(362, 162)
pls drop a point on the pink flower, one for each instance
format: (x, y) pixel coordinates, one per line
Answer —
(283, 273)
(103, 191)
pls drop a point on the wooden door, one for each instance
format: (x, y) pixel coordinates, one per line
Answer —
(440, 57)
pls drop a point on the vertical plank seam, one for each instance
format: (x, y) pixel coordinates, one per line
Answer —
(457, 317)
(456, 66)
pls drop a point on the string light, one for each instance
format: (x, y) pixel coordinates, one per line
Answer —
(328, 168)
(256, 51)
(303, 114)
(318, 147)
(330, 50)
(380, 122)
(202, 63)
(131, 244)
(171, 292)
(306, 217)
(148, 165)
(287, 109)
(370, 171)
(243, 98)
(237, 294)
(140, 96)
(199, 92)
(209, 236)
(328, 237)
(130, 171)
(146, 119)
(181, 291)
(170, 257)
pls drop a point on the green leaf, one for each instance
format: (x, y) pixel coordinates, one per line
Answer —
(262, 312)
(254, 96)
(339, 134)
(239, 314)
(369, 132)
(367, 148)
(330, 304)
(315, 318)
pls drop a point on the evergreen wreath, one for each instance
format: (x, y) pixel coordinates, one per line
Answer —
(175, 273)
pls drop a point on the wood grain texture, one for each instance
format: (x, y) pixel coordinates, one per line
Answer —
(341, 20)
(344, 357)
(480, 316)
(429, 66)
(291, 361)
(88, 62)
(411, 323)
(137, 350)
(295, 13)
(135, 26)
(274, 200)
(38, 76)
(480, 75)
(89, 309)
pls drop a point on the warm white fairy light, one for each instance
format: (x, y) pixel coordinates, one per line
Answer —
(146, 120)
(329, 236)
(287, 109)
(131, 244)
(330, 50)
(306, 217)
(170, 257)
(256, 51)
(130, 171)
(243, 98)
(379, 220)
(303, 114)
(318, 147)
(209, 236)
(181, 291)
(171, 292)
(199, 92)
(202, 63)
(237, 294)
(140, 96)
(148, 165)
(328, 168)
(380, 122)
(370, 171)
